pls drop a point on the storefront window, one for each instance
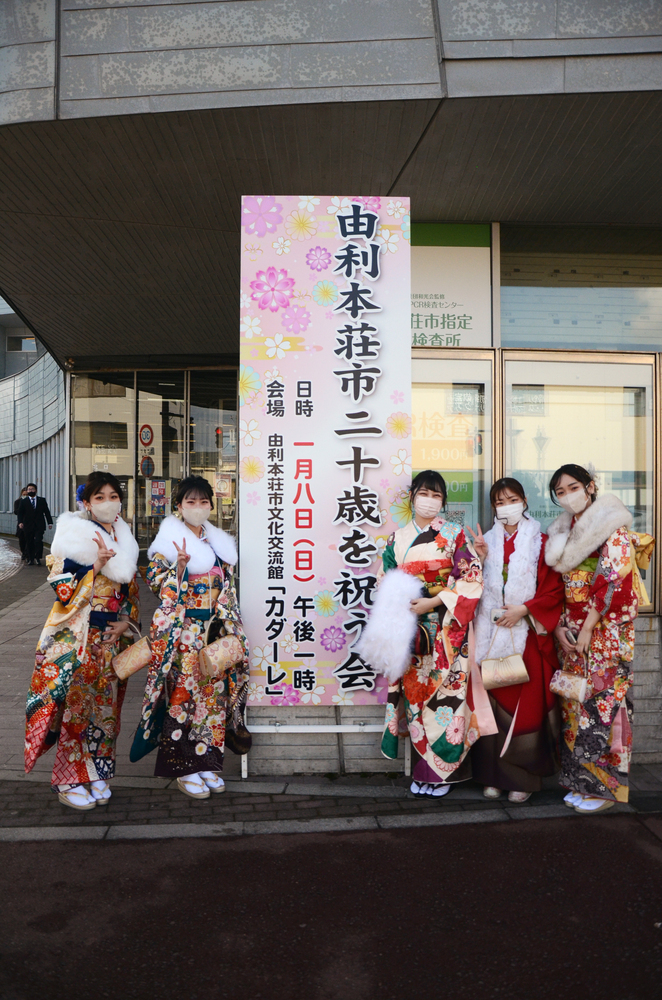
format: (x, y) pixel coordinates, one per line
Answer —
(584, 412)
(102, 437)
(213, 440)
(452, 430)
(585, 287)
(161, 447)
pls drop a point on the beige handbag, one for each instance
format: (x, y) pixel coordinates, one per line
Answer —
(572, 686)
(220, 656)
(503, 671)
(133, 658)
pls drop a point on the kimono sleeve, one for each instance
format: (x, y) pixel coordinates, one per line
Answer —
(547, 603)
(227, 607)
(464, 587)
(130, 606)
(611, 592)
(73, 584)
(161, 577)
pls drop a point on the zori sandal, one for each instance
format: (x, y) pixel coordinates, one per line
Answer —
(77, 798)
(191, 786)
(100, 792)
(213, 781)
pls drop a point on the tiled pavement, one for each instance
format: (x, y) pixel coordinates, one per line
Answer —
(146, 806)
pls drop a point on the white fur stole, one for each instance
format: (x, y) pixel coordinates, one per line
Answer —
(202, 551)
(567, 546)
(520, 587)
(386, 640)
(74, 539)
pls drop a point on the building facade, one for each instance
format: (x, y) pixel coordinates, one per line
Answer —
(526, 135)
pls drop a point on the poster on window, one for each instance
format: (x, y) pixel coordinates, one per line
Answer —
(324, 433)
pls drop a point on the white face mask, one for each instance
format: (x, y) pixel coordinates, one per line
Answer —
(427, 506)
(510, 513)
(575, 502)
(107, 511)
(195, 515)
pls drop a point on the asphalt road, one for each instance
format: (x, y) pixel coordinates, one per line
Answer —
(528, 911)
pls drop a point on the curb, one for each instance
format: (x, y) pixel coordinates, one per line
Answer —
(348, 824)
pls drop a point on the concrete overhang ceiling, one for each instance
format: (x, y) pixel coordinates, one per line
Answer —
(119, 236)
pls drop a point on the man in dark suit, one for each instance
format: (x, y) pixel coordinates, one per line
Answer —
(33, 513)
(20, 534)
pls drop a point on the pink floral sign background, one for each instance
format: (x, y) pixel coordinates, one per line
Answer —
(302, 602)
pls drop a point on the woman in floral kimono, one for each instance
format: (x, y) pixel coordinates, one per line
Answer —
(518, 581)
(431, 697)
(591, 546)
(75, 697)
(189, 717)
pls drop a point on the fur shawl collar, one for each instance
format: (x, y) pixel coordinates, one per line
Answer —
(569, 544)
(74, 539)
(203, 551)
(521, 587)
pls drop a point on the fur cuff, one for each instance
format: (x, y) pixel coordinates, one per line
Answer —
(386, 640)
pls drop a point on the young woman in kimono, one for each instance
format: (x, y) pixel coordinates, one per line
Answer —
(591, 546)
(430, 699)
(517, 578)
(189, 717)
(75, 697)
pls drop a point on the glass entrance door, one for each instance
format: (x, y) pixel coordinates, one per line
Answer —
(452, 430)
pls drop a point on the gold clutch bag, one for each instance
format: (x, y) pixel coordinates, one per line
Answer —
(503, 671)
(220, 656)
(133, 658)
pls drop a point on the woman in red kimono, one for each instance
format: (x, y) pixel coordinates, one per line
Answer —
(518, 580)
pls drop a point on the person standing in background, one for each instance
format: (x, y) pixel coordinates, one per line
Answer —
(20, 533)
(33, 513)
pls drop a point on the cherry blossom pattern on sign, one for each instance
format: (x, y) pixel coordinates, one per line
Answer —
(296, 320)
(260, 216)
(288, 644)
(288, 697)
(308, 202)
(318, 259)
(395, 209)
(251, 469)
(253, 251)
(371, 204)
(249, 383)
(276, 346)
(397, 397)
(336, 204)
(314, 696)
(281, 245)
(272, 289)
(343, 699)
(300, 225)
(401, 463)
(253, 498)
(333, 638)
(325, 293)
(250, 327)
(398, 425)
(261, 657)
(255, 691)
(387, 240)
(249, 432)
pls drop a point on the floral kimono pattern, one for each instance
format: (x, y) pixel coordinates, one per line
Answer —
(75, 697)
(433, 699)
(191, 718)
(597, 736)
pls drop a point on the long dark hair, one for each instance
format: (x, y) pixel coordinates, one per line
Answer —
(507, 483)
(96, 481)
(193, 486)
(428, 480)
(577, 472)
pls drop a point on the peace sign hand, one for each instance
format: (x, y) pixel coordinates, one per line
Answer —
(104, 553)
(480, 545)
(183, 558)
